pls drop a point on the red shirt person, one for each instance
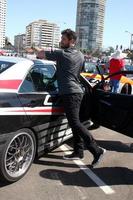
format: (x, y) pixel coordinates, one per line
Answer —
(116, 64)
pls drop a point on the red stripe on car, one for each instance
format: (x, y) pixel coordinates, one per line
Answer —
(10, 84)
(53, 110)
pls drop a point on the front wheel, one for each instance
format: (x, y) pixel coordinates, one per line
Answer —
(17, 155)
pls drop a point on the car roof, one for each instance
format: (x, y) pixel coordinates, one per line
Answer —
(13, 76)
(12, 59)
(38, 61)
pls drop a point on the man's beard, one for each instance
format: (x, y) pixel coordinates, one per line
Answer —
(65, 47)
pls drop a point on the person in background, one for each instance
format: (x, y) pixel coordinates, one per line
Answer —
(116, 64)
(69, 64)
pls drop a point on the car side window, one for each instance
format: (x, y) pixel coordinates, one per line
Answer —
(27, 85)
(43, 77)
(5, 65)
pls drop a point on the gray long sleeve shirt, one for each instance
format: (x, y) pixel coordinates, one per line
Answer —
(69, 64)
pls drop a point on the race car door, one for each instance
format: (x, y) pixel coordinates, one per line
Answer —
(115, 110)
(39, 97)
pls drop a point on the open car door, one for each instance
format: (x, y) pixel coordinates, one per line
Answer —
(115, 110)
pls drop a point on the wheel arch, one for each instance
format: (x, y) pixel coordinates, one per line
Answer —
(126, 89)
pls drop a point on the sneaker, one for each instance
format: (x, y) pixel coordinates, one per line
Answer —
(93, 126)
(73, 156)
(98, 157)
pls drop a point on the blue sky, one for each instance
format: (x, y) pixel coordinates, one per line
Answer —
(118, 17)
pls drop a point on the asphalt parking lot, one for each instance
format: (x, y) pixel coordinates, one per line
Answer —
(52, 178)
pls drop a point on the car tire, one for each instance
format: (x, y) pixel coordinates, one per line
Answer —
(17, 155)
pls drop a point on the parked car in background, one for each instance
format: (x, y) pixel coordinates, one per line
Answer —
(99, 72)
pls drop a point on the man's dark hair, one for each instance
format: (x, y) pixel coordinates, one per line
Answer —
(70, 34)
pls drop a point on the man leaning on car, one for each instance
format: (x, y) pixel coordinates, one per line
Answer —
(69, 63)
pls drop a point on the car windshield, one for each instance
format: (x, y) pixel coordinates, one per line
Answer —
(90, 67)
(129, 67)
(5, 65)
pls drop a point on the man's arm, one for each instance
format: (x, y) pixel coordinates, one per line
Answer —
(49, 55)
(122, 64)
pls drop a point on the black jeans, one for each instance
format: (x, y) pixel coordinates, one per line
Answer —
(81, 135)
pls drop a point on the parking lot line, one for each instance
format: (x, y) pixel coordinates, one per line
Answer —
(102, 185)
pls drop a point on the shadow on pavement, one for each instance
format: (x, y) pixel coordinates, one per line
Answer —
(112, 145)
(110, 175)
(3, 184)
(48, 155)
(55, 163)
(115, 146)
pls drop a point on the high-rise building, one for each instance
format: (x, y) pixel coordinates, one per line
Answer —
(3, 5)
(20, 42)
(90, 23)
(42, 34)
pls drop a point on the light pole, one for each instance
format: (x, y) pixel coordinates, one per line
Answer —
(131, 35)
(18, 43)
(18, 46)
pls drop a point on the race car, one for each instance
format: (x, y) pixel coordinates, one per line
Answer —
(32, 120)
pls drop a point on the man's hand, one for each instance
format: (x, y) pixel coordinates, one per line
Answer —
(41, 54)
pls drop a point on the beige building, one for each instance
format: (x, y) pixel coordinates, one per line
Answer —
(90, 23)
(42, 34)
(3, 5)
